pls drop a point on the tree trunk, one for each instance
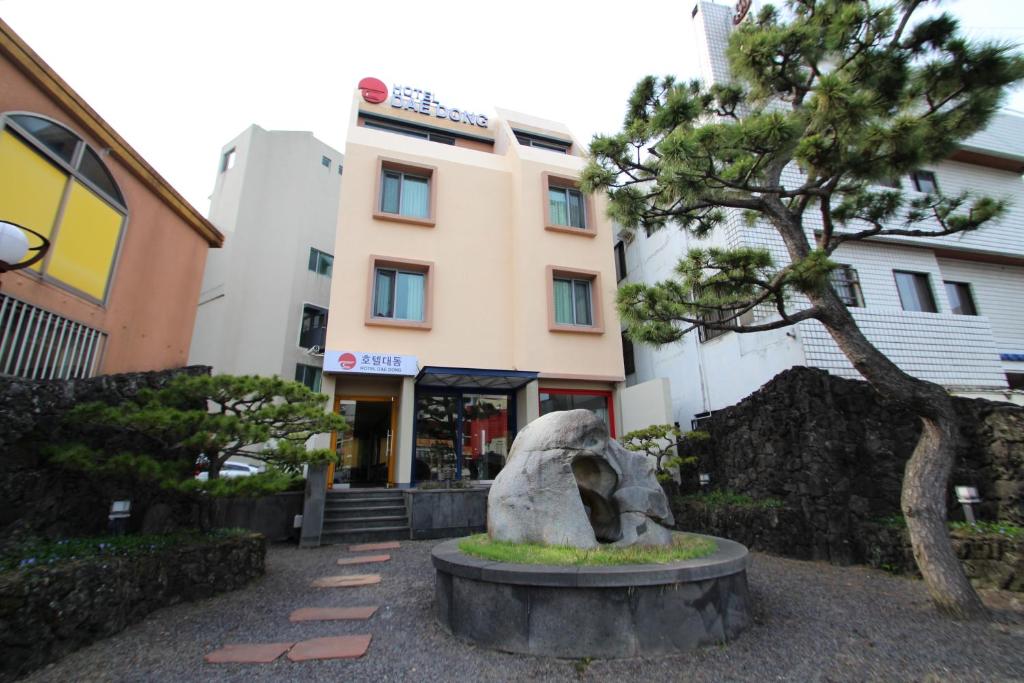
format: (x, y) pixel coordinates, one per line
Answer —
(926, 477)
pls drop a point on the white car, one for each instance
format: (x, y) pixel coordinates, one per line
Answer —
(231, 469)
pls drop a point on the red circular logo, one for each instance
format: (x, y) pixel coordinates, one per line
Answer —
(374, 90)
(347, 361)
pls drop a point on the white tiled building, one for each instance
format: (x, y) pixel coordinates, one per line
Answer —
(264, 299)
(978, 351)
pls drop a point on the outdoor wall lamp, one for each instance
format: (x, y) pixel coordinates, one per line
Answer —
(705, 479)
(14, 247)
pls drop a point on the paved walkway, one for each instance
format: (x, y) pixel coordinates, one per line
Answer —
(815, 622)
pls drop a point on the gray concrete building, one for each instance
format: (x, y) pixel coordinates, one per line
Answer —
(264, 298)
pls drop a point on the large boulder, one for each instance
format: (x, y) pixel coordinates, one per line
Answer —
(567, 483)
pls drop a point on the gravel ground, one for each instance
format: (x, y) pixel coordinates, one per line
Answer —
(814, 622)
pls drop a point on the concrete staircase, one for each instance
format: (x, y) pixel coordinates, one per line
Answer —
(360, 515)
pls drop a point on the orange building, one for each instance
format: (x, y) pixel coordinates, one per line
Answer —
(118, 288)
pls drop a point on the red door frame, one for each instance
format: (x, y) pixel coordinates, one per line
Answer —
(586, 392)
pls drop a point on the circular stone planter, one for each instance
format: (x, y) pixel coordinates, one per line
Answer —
(635, 610)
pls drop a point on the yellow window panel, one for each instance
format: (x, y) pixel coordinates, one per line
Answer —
(83, 252)
(30, 187)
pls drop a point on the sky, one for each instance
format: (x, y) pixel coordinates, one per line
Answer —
(178, 80)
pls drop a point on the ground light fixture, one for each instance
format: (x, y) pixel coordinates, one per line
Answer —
(705, 480)
(15, 252)
(120, 511)
(967, 496)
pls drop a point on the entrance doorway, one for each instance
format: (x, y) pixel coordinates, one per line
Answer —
(366, 453)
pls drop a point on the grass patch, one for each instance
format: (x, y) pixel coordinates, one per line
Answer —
(684, 547)
(731, 499)
(977, 528)
(33, 553)
(989, 528)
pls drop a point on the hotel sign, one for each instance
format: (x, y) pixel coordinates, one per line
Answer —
(360, 363)
(419, 100)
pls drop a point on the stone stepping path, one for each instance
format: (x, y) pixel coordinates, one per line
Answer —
(248, 654)
(347, 581)
(363, 559)
(331, 613)
(390, 545)
(337, 647)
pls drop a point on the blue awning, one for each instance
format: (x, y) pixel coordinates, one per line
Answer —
(1018, 357)
(474, 378)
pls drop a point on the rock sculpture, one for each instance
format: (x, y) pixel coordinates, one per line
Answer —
(567, 483)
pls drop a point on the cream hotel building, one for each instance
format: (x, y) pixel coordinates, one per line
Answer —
(474, 288)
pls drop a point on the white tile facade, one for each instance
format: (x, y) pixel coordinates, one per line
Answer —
(957, 351)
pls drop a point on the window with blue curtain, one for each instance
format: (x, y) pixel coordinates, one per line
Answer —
(566, 207)
(405, 194)
(399, 295)
(573, 302)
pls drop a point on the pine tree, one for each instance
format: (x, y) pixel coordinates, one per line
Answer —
(830, 101)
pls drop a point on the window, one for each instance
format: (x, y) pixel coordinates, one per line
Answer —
(309, 375)
(411, 131)
(341, 169)
(405, 193)
(712, 316)
(325, 162)
(313, 329)
(573, 301)
(461, 435)
(56, 184)
(1015, 380)
(598, 402)
(915, 292)
(400, 293)
(321, 262)
(542, 142)
(960, 300)
(847, 285)
(620, 261)
(227, 161)
(566, 209)
(628, 355)
(924, 181)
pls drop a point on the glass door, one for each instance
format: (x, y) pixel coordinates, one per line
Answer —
(366, 450)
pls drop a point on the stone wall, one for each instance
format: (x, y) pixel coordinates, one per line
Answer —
(990, 560)
(834, 451)
(45, 500)
(46, 613)
(444, 513)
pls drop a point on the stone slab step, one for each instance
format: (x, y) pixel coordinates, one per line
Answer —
(332, 613)
(346, 581)
(367, 493)
(391, 545)
(357, 506)
(335, 647)
(363, 559)
(365, 535)
(363, 502)
(343, 523)
(253, 653)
